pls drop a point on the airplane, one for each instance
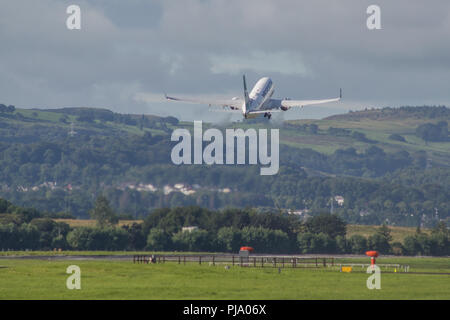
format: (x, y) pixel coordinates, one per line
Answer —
(258, 102)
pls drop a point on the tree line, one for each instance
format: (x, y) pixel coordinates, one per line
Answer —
(213, 231)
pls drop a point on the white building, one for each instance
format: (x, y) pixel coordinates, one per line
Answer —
(339, 200)
(189, 229)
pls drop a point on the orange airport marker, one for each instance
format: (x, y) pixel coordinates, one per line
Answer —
(372, 255)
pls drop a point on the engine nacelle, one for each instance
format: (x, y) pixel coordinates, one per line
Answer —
(285, 108)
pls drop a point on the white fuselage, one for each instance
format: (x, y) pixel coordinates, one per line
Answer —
(261, 92)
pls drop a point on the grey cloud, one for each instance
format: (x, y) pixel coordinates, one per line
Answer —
(197, 47)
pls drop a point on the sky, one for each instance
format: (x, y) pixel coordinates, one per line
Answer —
(127, 54)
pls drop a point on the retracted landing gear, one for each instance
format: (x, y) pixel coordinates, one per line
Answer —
(268, 115)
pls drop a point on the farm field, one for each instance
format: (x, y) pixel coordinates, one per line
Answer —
(93, 223)
(397, 233)
(46, 279)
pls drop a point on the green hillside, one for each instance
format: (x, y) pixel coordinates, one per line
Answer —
(377, 125)
(389, 165)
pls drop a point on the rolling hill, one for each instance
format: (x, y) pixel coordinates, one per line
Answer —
(373, 158)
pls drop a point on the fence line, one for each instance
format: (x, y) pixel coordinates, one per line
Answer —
(243, 261)
(260, 261)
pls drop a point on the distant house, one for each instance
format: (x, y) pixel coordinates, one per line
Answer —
(184, 189)
(179, 186)
(364, 213)
(168, 189)
(187, 192)
(146, 187)
(138, 187)
(300, 212)
(339, 200)
(189, 229)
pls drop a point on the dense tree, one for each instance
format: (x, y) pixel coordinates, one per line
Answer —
(358, 244)
(328, 224)
(379, 243)
(107, 238)
(229, 239)
(7, 109)
(196, 240)
(158, 240)
(342, 245)
(265, 240)
(103, 213)
(50, 233)
(433, 132)
(256, 229)
(136, 235)
(397, 137)
(79, 239)
(316, 243)
(23, 237)
(385, 232)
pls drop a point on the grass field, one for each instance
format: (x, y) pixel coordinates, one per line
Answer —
(92, 223)
(42, 279)
(397, 233)
(373, 129)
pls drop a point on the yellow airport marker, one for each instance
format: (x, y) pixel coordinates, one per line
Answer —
(346, 269)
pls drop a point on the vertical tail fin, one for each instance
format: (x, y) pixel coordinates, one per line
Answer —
(245, 92)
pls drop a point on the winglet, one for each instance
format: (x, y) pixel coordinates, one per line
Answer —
(246, 98)
(169, 98)
(340, 93)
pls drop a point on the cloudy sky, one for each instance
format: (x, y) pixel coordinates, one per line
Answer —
(128, 53)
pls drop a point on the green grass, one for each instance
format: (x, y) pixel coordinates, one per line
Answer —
(378, 130)
(42, 115)
(41, 279)
(52, 118)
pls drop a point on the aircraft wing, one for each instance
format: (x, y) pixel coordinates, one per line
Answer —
(286, 103)
(302, 103)
(234, 104)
